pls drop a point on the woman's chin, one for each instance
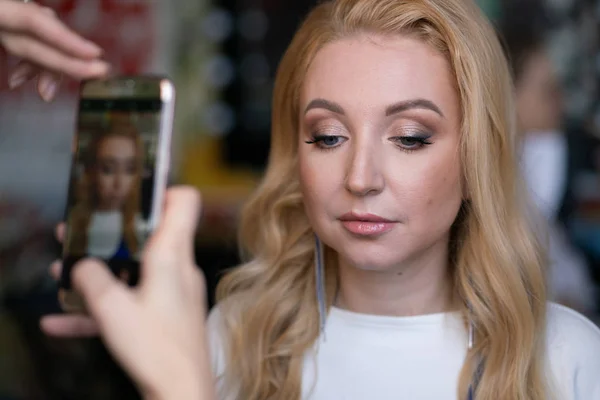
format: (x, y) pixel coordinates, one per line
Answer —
(375, 262)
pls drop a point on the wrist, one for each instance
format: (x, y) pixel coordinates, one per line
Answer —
(185, 381)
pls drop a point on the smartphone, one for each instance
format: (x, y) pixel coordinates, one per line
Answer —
(118, 176)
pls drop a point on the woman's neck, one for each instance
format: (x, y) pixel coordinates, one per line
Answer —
(422, 286)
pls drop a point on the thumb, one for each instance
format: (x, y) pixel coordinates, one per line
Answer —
(180, 217)
(172, 244)
(102, 292)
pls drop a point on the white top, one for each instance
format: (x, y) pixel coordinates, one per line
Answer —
(105, 233)
(366, 357)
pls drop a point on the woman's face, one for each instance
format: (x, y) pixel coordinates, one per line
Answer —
(115, 171)
(382, 183)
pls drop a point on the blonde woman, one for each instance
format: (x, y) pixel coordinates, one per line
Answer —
(390, 252)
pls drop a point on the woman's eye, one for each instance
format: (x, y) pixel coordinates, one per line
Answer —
(130, 168)
(327, 141)
(107, 169)
(411, 142)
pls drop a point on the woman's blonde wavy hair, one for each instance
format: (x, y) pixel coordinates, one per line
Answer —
(86, 192)
(270, 312)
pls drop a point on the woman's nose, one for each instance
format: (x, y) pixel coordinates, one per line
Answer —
(118, 181)
(363, 175)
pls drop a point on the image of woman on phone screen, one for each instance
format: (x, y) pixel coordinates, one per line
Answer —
(106, 220)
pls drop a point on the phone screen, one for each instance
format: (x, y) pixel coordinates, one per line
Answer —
(112, 182)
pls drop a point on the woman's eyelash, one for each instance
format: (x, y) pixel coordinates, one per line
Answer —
(326, 142)
(406, 140)
(318, 138)
(405, 143)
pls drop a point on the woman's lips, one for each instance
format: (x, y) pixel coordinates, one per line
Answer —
(366, 224)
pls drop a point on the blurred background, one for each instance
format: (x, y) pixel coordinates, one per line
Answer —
(223, 56)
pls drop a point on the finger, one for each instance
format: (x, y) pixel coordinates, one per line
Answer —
(171, 246)
(60, 232)
(50, 58)
(48, 11)
(40, 22)
(102, 291)
(22, 73)
(48, 84)
(56, 270)
(180, 218)
(69, 326)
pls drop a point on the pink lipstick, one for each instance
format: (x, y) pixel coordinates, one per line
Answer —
(366, 224)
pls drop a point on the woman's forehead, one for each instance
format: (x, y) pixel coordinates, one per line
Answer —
(373, 72)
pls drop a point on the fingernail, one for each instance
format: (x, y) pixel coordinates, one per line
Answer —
(18, 77)
(49, 11)
(94, 47)
(100, 68)
(47, 88)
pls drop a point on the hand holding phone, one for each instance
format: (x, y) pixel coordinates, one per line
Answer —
(117, 235)
(157, 330)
